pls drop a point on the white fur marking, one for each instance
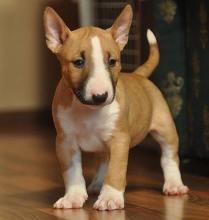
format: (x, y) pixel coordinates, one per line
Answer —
(110, 199)
(151, 37)
(75, 187)
(73, 176)
(99, 81)
(169, 165)
(173, 183)
(74, 198)
(87, 128)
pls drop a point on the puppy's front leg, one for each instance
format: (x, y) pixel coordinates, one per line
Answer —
(112, 194)
(75, 187)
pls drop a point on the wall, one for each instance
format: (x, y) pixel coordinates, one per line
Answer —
(28, 71)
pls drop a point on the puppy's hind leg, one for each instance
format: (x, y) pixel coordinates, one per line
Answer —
(97, 182)
(164, 132)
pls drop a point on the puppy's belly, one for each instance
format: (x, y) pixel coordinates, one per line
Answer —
(138, 138)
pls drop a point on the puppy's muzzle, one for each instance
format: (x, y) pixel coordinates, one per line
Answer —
(96, 99)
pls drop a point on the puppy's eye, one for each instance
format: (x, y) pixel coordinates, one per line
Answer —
(112, 62)
(79, 63)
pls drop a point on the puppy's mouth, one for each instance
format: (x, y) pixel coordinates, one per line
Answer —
(78, 92)
(79, 95)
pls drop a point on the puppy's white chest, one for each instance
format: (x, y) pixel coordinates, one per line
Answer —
(88, 128)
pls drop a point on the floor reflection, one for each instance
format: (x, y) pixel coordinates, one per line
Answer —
(82, 214)
(174, 207)
(71, 214)
(109, 215)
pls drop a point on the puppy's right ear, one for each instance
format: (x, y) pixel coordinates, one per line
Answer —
(56, 31)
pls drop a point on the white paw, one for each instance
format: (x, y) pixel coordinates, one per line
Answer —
(171, 188)
(74, 198)
(109, 199)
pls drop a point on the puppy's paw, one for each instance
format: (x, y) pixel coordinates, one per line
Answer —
(109, 199)
(75, 198)
(172, 189)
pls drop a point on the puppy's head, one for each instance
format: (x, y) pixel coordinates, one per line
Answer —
(89, 56)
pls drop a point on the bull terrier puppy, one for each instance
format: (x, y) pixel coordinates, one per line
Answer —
(98, 108)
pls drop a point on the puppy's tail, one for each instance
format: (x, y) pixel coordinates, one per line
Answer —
(148, 67)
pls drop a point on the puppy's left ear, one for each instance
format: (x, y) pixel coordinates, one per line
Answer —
(121, 26)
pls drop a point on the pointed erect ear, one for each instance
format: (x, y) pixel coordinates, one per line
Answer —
(121, 27)
(56, 31)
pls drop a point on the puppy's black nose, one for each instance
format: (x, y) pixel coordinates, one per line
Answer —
(99, 99)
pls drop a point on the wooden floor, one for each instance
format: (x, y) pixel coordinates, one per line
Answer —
(31, 182)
